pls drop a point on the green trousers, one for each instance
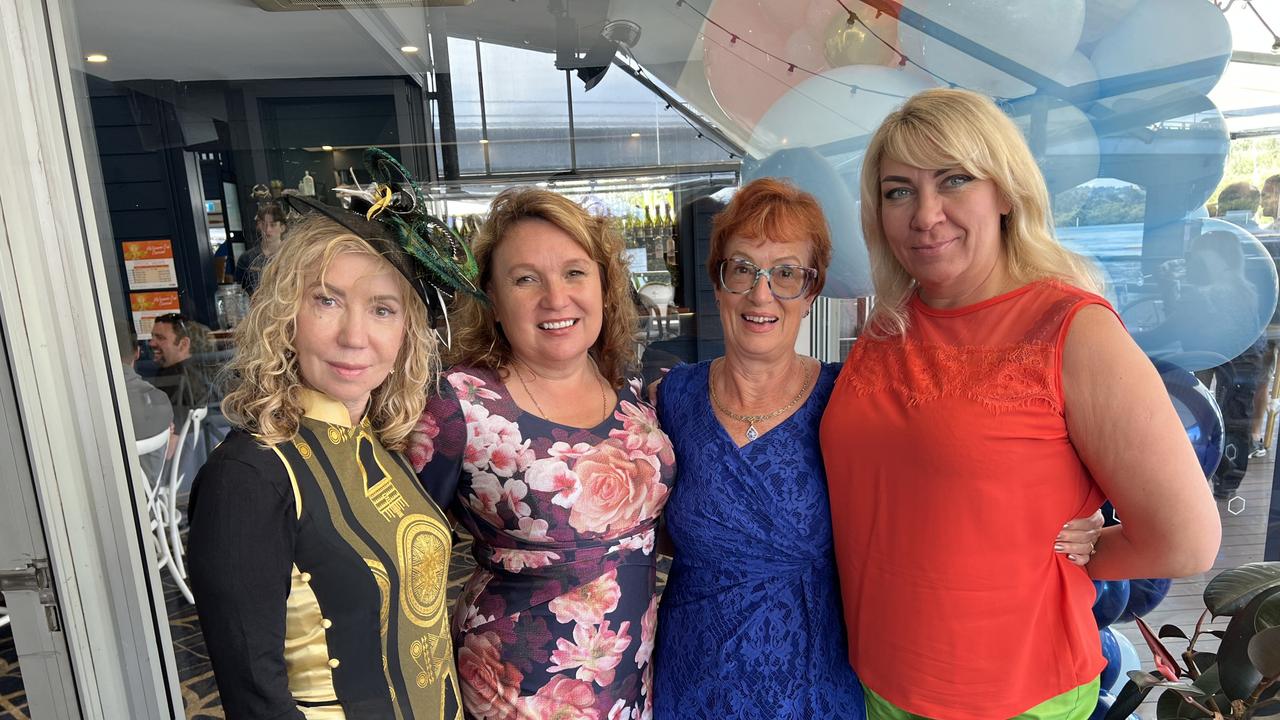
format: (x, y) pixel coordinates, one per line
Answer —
(1075, 704)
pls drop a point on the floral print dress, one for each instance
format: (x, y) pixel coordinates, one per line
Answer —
(559, 619)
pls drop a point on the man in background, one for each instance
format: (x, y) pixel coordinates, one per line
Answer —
(149, 408)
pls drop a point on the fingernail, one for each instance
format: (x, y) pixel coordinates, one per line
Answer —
(1072, 558)
(1057, 547)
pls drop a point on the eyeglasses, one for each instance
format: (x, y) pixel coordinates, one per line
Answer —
(786, 282)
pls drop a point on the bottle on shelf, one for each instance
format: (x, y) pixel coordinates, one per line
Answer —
(307, 185)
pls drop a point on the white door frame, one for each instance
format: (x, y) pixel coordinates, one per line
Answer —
(69, 389)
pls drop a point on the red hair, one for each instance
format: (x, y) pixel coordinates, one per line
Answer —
(774, 210)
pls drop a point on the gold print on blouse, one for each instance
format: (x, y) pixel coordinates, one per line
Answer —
(424, 569)
(303, 448)
(429, 653)
(384, 495)
(384, 592)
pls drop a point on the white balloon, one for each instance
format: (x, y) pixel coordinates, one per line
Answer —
(1128, 661)
(819, 111)
(1062, 139)
(1038, 34)
(1101, 16)
(1186, 42)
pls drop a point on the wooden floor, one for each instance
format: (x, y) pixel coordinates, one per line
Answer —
(1243, 537)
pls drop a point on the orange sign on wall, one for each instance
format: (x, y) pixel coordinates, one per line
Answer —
(148, 306)
(148, 264)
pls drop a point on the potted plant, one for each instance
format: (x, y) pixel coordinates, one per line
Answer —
(1241, 679)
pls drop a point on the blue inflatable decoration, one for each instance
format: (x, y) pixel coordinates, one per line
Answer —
(1144, 596)
(1113, 597)
(1110, 651)
(1198, 411)
(1105, 701)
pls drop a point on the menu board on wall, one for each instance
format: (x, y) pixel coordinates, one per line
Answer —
(148, 306)
(148, 264)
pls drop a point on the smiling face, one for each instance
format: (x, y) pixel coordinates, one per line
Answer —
(167, 348)
(757, 324)
(943, 226)
(547, 295)
(349, 329)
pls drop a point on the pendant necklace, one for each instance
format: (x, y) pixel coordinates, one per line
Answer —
(604, 394)
(751, 420)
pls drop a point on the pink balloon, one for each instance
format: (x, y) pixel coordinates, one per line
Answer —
(746, 81)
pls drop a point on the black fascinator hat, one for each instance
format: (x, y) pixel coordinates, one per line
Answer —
(391, 214)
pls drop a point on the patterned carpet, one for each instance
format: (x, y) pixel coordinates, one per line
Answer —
(199, 692)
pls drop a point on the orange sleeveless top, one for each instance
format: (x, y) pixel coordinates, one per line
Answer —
(950, 474)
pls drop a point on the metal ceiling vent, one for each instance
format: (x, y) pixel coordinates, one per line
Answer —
(296, 5)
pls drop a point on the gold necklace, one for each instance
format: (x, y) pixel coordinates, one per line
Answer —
(604, 394)
(751, 420)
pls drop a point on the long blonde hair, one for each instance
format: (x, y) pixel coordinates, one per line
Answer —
(478, 340)
(265, 381)
(945, 128)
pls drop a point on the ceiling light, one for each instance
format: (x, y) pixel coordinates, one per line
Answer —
(484, 142)
(326, 148)
(96, 58)
(409, 48)
(635, 134)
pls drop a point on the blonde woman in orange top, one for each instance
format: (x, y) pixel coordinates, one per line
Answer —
(996, 397)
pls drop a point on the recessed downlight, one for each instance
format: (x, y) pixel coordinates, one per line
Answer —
(96, 58)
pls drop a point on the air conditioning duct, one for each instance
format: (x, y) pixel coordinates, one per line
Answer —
(298, 5)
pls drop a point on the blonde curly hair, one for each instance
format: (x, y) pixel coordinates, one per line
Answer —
(944, 128)
(263, 377)
(478, 340)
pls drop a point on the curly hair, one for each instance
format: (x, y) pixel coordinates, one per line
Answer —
(264, 378)
(943, 128)
(478, 340)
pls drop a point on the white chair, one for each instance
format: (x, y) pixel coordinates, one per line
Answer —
(158, 510)
(173, 516)
(656, 297)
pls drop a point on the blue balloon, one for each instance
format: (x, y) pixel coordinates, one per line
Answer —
(1199, 413)
(1110, 651)
(1144, 596)
(1128, 662)
(1113, 596)
(1219, 293)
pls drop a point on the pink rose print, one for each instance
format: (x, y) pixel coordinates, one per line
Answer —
(646, 683)
(531, 529)
(489, 685)
(620, 711)
(595, 651)
(554, 476)
(618, 492)
(561, 698)
(640, 434)
(517, 560)
(648, 630)
(470, 387)
(587, 605)
(505, 459)
(422, 446)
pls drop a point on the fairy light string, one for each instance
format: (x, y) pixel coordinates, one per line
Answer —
(792, 67)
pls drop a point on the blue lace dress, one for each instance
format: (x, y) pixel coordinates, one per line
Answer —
(749, 625)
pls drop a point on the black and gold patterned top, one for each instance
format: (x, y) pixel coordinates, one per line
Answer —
(319, 568)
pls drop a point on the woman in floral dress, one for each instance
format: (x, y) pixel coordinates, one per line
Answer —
(557, 468)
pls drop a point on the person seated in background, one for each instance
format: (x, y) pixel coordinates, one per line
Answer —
(270, 223)
(173, 340)
(1271, 202)
(149, 408)
(1238, 203)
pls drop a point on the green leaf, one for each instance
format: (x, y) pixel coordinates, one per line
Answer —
(1171, 706)
(1168, 631)
(1239, 676)
(1264, 652)
(1232, 589)
(1208, 680)
(1131, 695)
(1269, 614)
